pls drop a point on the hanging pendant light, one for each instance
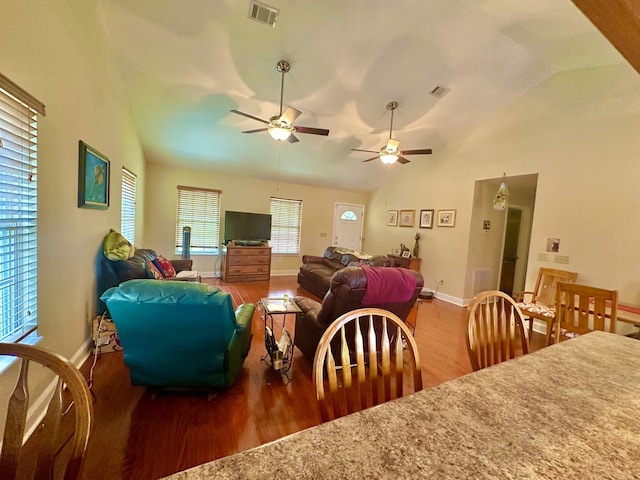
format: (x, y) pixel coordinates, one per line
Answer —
(501, 200)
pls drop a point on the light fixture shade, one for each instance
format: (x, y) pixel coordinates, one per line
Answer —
(279, 133)
(388, 158)
(501, 200)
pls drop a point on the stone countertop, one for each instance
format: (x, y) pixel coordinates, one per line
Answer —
(567, 411)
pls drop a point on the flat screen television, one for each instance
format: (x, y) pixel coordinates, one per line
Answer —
(247, 228)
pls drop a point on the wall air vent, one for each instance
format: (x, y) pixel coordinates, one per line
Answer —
(263, 13)
(439, 91)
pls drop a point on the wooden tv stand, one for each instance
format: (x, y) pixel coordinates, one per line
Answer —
(245, 263)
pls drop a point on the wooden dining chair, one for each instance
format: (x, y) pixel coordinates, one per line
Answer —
(377, 348)
(495, 329)
(581, 309)
(51, 438)
(540, 304)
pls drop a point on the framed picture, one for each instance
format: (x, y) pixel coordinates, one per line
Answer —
(446, 218)
(93, 178)
(407, 218)
(392, 218)
(406, 254)
(426, 218)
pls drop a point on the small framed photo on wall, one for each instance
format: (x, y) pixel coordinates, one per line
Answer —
(392, 218)
(407, 218)
(426, 218)
(447, 218)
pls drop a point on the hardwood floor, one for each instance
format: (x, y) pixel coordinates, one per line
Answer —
(142, 434)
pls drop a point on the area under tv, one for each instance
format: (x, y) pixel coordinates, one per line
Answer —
(248, 243)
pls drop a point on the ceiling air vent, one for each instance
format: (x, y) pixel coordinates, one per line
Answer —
(439, 91)
(263, 13)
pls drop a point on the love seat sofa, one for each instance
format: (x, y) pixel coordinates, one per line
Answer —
(180, 334)
(316, 271)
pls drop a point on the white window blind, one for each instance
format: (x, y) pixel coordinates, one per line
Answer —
(199, 209)
(286, 223)
(18, 211)
(128, 214)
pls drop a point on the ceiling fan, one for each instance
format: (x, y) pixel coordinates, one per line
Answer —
(389, 153)
(280, 126)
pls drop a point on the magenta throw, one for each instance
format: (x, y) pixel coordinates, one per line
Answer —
(388, 285)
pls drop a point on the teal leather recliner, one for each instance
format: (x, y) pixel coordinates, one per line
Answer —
(180, 334)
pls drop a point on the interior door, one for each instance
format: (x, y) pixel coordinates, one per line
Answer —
(348, 222)
(510, 253)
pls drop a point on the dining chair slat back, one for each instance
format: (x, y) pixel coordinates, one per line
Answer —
(581, 309)
(53, 435)
(495, 330)
(376, 347)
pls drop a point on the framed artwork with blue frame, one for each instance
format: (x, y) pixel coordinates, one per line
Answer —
(93, 178)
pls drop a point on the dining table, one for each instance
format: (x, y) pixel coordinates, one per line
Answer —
(567, 411)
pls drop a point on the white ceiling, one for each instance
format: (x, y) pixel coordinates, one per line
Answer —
(186, 64)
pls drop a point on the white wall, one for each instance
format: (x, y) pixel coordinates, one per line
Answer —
(241, 194)
(57, 51)
(579, 131)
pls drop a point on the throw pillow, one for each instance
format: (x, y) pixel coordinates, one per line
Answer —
(116, 247)
(152, 270)
(165, 267)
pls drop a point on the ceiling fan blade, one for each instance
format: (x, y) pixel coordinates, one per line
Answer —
(312, 131)
(249, 116)
(256, 130)
(402, 160)
(424, 151)
(292, 139)
(392, 145)
(360, 150)
(372, 158)
(289, 115)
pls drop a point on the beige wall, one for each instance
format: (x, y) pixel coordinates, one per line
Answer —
(56, 50)
(240, 194)
(579, 131)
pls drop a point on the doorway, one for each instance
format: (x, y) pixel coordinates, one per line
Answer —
(499, 239)
(348, 222)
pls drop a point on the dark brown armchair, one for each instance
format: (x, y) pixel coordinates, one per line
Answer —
(389, 288)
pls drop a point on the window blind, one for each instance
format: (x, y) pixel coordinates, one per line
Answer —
(128, 214)
(18, 211)
(199, 208)
(286, 223)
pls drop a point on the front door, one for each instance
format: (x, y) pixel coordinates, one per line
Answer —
(348, 221)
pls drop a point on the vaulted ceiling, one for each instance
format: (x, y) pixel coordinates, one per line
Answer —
(185, 65)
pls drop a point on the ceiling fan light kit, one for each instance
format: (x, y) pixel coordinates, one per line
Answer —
(280, 133)
(388, 158)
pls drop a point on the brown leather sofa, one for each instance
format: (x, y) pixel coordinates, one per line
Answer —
(316, 272)
(394, 289)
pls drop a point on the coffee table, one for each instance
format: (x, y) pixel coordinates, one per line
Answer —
(279, 350)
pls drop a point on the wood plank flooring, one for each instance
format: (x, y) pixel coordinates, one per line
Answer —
(143, 434)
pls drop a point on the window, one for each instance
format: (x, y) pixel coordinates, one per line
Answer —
(18, 211)
(128, 215)
(286, 222)
(349, 216)
(199, 209)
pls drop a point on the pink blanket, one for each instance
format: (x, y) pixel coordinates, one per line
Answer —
(388, 285)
